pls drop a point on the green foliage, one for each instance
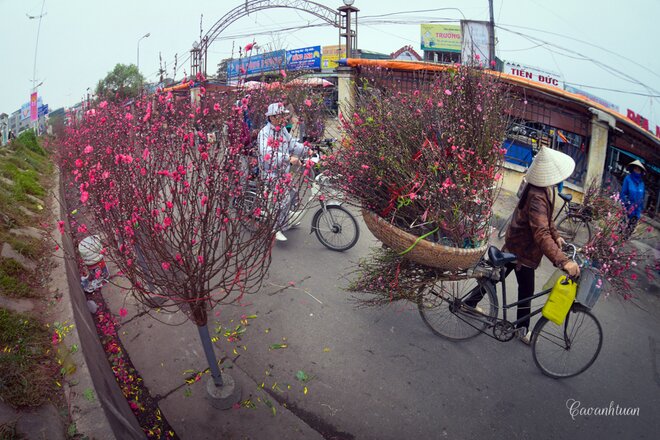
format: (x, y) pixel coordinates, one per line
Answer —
(12, 279)
(9, 169)
(124, 81)
(26, 246)
(30, 141)
(222, 69)
(26, 183)
(25, 367)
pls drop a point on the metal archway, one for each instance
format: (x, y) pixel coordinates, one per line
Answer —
(198, 54)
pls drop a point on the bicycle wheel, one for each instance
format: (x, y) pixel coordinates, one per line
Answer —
(575, 229)
(246, 205)
(502, 231)
(336, 228)
(567, 350)
(443, 307)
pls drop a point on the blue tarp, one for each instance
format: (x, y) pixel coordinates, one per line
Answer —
(518, 153)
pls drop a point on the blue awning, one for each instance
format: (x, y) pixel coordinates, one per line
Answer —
(636, 157)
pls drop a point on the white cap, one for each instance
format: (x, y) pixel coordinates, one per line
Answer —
(276, 108)
(549, 168)
(90, 250)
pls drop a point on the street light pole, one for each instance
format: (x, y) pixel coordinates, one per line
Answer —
(34, 65)
(346, 13)
(138, 49)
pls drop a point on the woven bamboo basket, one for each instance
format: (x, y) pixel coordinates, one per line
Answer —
(425, 252)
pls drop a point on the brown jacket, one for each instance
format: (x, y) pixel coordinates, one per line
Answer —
(532, 233)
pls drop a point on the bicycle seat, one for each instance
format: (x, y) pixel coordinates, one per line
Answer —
(498, 258)
(566, 197)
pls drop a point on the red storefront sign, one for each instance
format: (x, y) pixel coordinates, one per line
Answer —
(642, 121)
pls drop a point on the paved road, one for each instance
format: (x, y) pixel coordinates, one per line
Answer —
(386, 376)
(381, 374)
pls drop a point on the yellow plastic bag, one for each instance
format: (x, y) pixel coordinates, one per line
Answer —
(550, 283)
(560, 300)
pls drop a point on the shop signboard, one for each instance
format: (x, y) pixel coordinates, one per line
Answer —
(330, 55)
(642, 121)
(533, 74)
(475, 42)
(441, 37)
(594, 98)
(25, 111)
(266, 62)
(43, 110)
(306, 58)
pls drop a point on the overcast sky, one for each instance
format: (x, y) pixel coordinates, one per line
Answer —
(81, 40)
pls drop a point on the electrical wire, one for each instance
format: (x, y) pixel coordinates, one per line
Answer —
(612, 90)
(613, 71)
(583, 42)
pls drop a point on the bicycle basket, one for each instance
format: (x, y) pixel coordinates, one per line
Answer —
(589, 287)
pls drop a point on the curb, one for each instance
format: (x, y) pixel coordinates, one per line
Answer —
(85, 407)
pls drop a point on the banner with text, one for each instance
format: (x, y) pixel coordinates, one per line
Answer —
(306, 58)
(441, 37)
(267, 62)
(330, 55)
(533, 73)
(34, 111)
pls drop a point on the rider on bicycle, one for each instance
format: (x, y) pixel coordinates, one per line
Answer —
(277, 152)
(532, 232)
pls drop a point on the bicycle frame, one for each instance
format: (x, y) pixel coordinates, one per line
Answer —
(506, 306)
(501, 277)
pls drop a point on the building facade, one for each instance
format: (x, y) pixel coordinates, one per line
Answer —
(600, 140)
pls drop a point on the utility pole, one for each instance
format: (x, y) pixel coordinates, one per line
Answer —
(491, 36)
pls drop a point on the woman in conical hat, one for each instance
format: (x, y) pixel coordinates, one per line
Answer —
(532, 232)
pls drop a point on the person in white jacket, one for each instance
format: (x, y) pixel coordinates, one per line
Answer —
(277, 152)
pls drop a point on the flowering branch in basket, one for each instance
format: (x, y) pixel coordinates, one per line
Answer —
(387, 277)
(610, 251)
(427, 159)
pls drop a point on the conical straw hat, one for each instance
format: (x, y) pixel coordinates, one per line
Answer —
(637, 164)
(549, 168)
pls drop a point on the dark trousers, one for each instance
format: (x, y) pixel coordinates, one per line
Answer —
(525, 278)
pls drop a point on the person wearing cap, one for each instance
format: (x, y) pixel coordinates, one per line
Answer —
(532, 232)
(632, 195)
(277, 152)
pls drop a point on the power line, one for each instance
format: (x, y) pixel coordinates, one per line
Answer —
(609, 69)
(412, 12)
(583, 42)
(612, 90)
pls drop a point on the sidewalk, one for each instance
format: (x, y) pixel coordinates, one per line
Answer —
(167, 353)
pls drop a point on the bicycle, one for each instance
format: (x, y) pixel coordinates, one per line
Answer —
(334, 226)
(456, 310)
(574, 227)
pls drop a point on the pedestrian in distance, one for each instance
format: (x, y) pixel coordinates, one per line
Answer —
(532, 232)
(632, 196)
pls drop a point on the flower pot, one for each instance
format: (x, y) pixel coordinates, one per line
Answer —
(424, 252)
